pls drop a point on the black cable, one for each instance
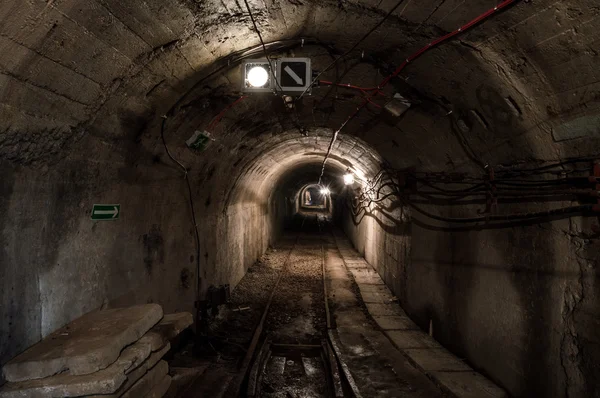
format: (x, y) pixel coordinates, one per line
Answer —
(553, 165)
(235, 58)
(473, 188)
(316, 78)
(503, 217)
(357, 209)
(187, 180)
(273, 71)
(486, 226)
(488, 218)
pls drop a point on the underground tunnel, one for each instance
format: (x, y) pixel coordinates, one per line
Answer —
(299, 198)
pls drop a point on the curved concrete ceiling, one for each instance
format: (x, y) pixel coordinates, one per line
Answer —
(292, 159)
(88, 90)
(107, 71)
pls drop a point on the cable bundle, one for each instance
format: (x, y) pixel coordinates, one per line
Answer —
(413, 189)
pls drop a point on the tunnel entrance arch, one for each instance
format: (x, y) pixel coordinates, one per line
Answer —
(313, 199)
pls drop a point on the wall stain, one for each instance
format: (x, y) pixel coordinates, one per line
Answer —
(11, 311)
(185, 278)
(154, 249)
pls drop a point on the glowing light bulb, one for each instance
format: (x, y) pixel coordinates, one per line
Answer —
(257, 76)
(348, 179)
(325, 191)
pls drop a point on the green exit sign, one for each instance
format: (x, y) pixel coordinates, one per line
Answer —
(106, 212)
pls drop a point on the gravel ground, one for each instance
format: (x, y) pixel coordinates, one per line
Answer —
(230, 332)
(297, 314)
(237, 320)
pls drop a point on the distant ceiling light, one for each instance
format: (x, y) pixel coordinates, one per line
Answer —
(258, 76)
(348, 178)
(325, 191)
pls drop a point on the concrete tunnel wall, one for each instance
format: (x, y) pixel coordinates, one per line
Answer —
(83, 89)
(519, 304)
(63, 264)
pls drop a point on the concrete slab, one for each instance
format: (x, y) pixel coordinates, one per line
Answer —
(395, 323)
(105, 381)
(384, 309)
(181, 378)
(351, 266)
(411, 339)
(137, 373)
(366, 276)
(337, 274)
(146, 384)
(357, 264)
(377, 296)
(350, 318)
(370, 280)
(168, 328)
(86, 345)
(468, 385)
(374, 288)
(364, 271)
(354, 258)
(436, 359)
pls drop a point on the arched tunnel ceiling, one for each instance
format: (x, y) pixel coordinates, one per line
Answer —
(84, 86)
(290, 159)
(523, 83)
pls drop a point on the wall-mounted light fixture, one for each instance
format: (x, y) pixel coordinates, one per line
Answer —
(257, 76)
(348, 178)
(290, 77)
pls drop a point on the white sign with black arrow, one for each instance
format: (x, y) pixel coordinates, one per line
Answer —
(294, 74)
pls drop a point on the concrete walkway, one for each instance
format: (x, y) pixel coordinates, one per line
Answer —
(376, 367)
(385, 352)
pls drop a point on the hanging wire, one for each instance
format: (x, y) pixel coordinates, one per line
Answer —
(365, 36)
(273, 72)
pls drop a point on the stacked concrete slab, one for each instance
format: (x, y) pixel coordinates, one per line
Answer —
(112, 353)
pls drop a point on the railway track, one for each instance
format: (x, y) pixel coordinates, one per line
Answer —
(290, 354)
(285, 344)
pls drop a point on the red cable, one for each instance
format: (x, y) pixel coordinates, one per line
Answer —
(218, 118)
(328, 83)
(420, 52)
(364, 90)
(450, 35)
